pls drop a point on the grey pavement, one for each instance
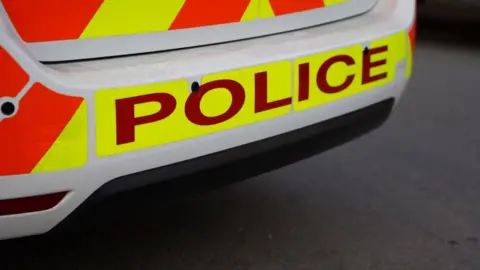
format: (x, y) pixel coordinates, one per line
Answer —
(406, 196)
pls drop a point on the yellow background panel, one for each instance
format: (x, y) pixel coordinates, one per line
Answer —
(339, 71)
(252, 11)
(126, 17)
(397, 51)
(177, 127)
(216, 102)
(335, 76)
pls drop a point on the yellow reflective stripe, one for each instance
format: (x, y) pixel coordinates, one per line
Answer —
(333, 2)
(265, 9)
(70, 149)
(125, 17)
(251, 13)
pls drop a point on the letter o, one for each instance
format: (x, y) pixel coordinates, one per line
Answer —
(192, 107)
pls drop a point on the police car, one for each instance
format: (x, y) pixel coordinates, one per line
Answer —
(103, 96)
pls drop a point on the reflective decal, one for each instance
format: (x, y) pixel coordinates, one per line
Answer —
(54, 20)
(337, 74)
(47, 131)
(47, 20)
(138, 117)
(70, 148)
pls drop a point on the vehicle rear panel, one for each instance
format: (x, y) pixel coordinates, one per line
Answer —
(69, 132)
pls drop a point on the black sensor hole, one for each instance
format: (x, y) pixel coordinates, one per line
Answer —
(7, 108)
(366, 51)
(195, 87)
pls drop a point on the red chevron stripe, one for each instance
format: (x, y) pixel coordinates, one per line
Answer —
(282, 7)
(26, 137)
(48, 20)
(413, 35)
(197, 13)
(12, 76)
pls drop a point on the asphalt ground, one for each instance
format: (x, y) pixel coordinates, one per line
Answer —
(406, 196)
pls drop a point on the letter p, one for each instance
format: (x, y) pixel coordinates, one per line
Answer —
(125, 114)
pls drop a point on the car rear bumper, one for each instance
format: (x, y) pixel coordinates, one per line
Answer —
(84, 79)
(259, 157)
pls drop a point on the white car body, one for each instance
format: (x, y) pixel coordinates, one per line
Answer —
(89, 152)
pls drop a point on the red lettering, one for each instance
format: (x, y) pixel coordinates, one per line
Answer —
(322, 82)
(368, 65)
(303, 81)
(261, 95)
(192, 107)
(125, 114)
